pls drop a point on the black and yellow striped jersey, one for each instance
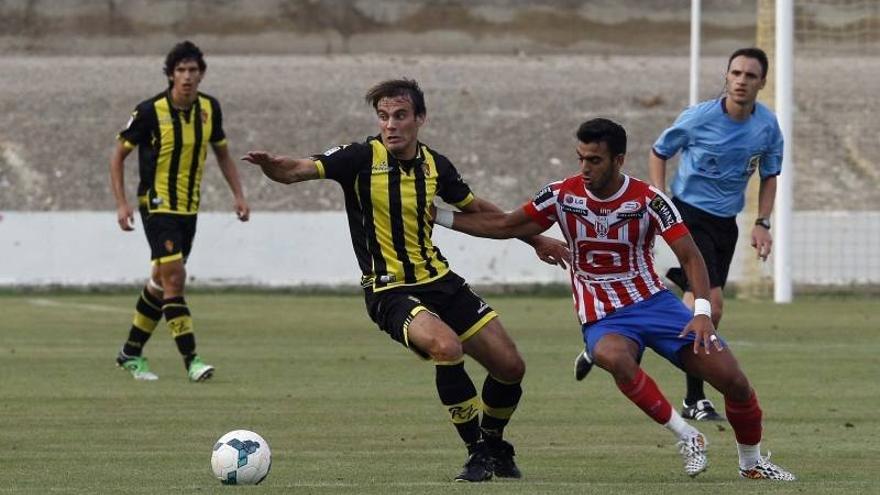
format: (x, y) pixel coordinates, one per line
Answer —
(172, 146)
(387, 202)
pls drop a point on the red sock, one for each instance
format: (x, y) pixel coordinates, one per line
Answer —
(644, 392)
(745, 418)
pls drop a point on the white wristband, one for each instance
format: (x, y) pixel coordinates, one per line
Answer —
(702, 307)
(444, 218)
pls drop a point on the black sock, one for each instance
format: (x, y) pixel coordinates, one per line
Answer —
(499, 403)
(179, 322)
(188, 359)
(458, 394)
(137, 339)
(694, 390)
(147, 313)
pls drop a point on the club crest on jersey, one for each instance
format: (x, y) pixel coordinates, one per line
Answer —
(664, 212)
(169, 245)
(602, 226)
(204, 115)
(427, 169)
(754, 163)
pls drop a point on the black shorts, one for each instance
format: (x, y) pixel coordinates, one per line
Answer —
(449, 298)
(715, 238)
(170, 236)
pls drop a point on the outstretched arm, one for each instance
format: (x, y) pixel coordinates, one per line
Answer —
(491, 224)
(549, 250)
(695, 268)
(283, 169)
(230, 173)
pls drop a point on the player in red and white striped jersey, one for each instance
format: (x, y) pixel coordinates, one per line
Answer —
(609, 221)
(610, 238)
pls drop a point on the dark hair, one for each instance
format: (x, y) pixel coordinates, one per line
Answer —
(603, 130)
(753, 52)
(185, 50)
(398, 87)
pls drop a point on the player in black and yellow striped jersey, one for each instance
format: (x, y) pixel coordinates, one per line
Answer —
(172, 131)
(390, 182)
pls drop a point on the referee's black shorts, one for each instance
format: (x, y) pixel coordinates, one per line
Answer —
(715, 238)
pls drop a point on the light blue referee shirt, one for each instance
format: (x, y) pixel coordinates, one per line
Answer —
(719, 154)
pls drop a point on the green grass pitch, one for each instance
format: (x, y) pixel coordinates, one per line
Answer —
(346, 410)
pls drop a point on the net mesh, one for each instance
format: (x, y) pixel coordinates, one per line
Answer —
(836, 66)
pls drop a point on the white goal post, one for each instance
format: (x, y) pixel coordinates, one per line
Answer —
(784, 55)
(782, 263)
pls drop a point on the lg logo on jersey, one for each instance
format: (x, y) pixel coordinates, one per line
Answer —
(574, 204)
(576, 201)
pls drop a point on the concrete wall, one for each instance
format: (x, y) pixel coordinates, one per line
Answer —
(314, 249)
(273, 249)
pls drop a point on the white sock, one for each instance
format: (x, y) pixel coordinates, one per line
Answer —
(680, 427)
(749, 455)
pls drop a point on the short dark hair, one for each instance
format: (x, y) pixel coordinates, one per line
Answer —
(185, 50)
(603, 131)
(393, 88)
(752, 52)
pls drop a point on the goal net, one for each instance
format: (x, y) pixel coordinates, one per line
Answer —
(835, 226)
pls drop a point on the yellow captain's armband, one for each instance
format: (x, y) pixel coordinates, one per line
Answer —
(126, 143)
(466, 201)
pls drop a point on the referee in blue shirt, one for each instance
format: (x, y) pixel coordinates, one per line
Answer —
(723, 142)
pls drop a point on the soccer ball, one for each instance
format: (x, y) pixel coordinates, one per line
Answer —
(241, 457)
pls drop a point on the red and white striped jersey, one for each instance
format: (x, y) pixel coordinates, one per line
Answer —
(610, 240)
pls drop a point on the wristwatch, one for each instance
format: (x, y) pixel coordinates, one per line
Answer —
(763, 222)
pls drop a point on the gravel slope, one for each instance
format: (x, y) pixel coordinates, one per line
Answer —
(507, 122)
